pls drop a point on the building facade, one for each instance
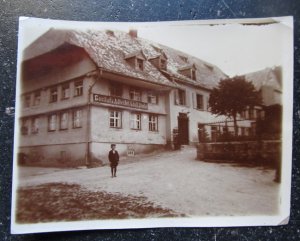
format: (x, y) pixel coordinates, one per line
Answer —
(82, 91)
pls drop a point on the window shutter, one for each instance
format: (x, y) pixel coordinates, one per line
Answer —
(187, 98)
(176, 97)
(194, 95)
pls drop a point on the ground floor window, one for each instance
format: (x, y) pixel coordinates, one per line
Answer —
(115, 119)
(52, 122)
(77, 118)
(135, 121)
(153, 123)
(63, 120)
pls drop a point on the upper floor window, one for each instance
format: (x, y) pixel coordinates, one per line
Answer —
(63, 120)
(152, 98)
(65, 91)
(153, 122)
(53, 94)
(52, 122)
(200, 104)
(35, 125)
(135, 94)
(135, 121)
(77, 118)
(37, 98)
(116, 89)
(78, 91)
(27, 100)
(24, 127)
(180, 97)
(115, 119)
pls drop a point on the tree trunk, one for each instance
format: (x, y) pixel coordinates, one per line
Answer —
(235, 125)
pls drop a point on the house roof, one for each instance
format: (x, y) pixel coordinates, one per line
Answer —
(266, 77)
(108, 51)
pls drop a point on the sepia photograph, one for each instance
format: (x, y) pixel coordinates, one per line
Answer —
(136, 125)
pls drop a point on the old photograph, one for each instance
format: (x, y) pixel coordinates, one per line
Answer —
(134, 125)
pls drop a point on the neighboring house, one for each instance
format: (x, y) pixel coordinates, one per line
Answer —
(82, 91)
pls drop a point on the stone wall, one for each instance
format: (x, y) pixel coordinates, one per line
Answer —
(267, 153)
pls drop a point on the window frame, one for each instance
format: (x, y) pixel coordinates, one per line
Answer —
(199, 107)
(78, 88)
(76, 118)
(152, 122)
(61, 114)
(37, 96)
(35, 125)
(152, 95)
(114, 118)
(65, 87)
(27, 100)
(178, 97)
(140, 64)
(134, 119)
(53, 94)
(50, 127)
(134, 91)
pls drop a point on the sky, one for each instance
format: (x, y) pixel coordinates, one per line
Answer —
(236, 49)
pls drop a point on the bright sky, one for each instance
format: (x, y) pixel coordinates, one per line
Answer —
(234, 48)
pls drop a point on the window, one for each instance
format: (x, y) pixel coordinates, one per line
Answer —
(52, 122)
(27, 100)
(53, 94)
(135, 121)
(77, 118)
(193, 74)
(135, 94)
(200, 104)
(37, 98)
(179, 97)
(140, 64)
(251, 113)
(116, 89)
(65, 92)
(152, 98)
(63, 121)
(78, 88)
(24, 127)
(35, 125)
(115, 119)
(153, 123)
(163, 64)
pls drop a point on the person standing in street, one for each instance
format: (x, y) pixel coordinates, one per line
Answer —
(113, 157)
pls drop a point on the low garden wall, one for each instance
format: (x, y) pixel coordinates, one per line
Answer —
(267, 153)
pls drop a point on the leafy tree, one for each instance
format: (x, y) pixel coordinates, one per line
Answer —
(233, 96)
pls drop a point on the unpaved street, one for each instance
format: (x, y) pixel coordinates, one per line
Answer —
(176, 181)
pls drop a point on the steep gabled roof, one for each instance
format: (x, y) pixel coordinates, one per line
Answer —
(266, 77)
(108, 51)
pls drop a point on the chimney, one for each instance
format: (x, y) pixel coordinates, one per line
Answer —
(133, 33)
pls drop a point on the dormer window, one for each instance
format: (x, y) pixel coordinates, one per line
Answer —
(136, 60)
(193, 74)
(163, 64)
(140, 64)
(188, 71)
(159, 61)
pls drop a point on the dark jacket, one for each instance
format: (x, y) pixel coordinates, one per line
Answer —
(113, 158)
